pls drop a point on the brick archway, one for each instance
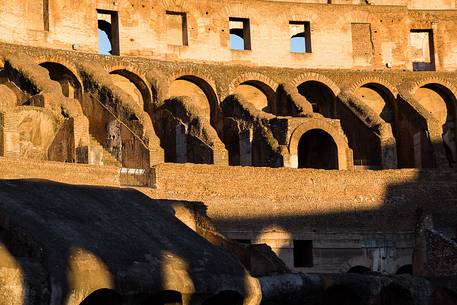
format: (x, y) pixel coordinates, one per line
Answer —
(334, 132)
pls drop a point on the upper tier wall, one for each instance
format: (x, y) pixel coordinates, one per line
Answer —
(343, 35)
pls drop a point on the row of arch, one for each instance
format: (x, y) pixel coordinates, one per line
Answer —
(436, 97)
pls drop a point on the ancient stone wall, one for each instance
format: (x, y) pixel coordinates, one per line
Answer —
(343, 212)
(361, 36)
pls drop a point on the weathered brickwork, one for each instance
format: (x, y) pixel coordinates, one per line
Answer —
(300, 139)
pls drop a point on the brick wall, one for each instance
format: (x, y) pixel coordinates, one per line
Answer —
(298, 200)
(59, 172)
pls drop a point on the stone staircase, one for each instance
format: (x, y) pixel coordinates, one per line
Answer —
(99, 155)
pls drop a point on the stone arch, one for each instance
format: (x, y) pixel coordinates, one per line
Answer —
(226, 297)
(359, 269)
(355, 262)
(197, 86)
(379, 81)
(103, 296)
(320, 95)
(138, 80)
(312, 76)
(380, 99)
(439, 99)
(324, 129)
(67, 76)
(405, 269)
(413, 86)
(255, 83)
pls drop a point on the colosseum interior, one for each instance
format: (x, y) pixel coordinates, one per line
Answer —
(205, 152)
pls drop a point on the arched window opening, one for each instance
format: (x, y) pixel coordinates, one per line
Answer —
(341, 295)
(71, 87)
(394, 294)
(359, 270)
(440, 103)
(320, 96)
(108, 32)
(406, 269)
(200, 91)
(257, 93)
(378, 99)
(227, 297)
(317, 149)
(133, 85)
(103, 297)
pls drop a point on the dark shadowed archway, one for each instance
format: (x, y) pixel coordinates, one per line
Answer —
(134, 85)
(103, 297)
(406, 269)
(202, 93)
(320, 96)
(359, 270)
(71, 85)
(257, 93)
(317, 149)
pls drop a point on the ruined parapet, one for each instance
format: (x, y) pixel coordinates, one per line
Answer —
(289, 102)
(435, 255)
(187, 135)
(247, 131)
(35, 88)
(126, 116)
(376, 125)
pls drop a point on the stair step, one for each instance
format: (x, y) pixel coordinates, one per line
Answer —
(107, 158)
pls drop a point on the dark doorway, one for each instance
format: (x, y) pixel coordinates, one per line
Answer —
(71, 87)
(108, 32)
(406, 269)
(317, 149)
(320, 96)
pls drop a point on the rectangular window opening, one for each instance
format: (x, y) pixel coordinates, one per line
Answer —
(303, 253)
(46, 15)
(108, 32)
(422, 50)
(240, 34)
(300, 36)
(177, 28)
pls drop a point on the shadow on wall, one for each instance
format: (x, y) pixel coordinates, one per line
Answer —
(82, 245)
(433, 191)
